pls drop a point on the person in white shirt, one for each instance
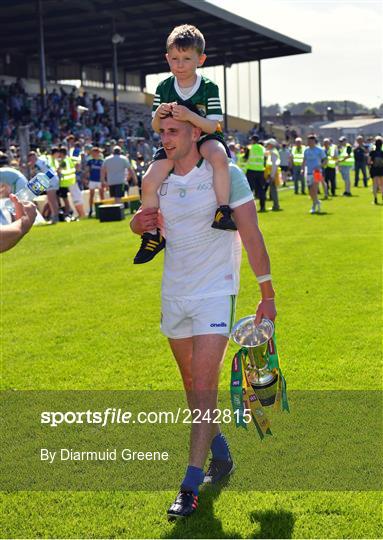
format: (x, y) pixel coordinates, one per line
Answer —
(44, 164)
(199, 287)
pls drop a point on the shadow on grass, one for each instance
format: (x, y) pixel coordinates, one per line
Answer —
(203, 524)
(273, 524)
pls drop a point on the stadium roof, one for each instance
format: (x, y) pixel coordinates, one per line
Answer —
(358, 122)
(80, 31)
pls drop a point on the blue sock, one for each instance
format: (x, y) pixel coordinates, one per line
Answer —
(193, 478)
(220, 448)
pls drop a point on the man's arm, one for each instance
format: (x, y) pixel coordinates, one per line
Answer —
(133, 175)
(25, 214)
(247, 224)
(103, 174)
(324, 159)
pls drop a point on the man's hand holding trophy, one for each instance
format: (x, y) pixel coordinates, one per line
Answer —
(256, 377)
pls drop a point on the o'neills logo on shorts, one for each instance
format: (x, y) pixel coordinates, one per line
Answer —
(235, 383)
(218, 325)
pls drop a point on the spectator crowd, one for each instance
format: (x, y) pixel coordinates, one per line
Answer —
(75, 135)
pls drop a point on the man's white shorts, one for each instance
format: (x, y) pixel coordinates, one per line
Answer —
(53, 184)
(187, 318)
(94, 185)
(309, 180)
(76, 193)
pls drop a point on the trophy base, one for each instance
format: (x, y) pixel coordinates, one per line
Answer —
(266, 392)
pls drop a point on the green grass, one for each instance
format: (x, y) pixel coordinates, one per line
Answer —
(76, 314)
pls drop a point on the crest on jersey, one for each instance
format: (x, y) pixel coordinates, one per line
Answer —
(201, 109)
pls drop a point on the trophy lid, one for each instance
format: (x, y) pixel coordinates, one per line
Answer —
(247, 334)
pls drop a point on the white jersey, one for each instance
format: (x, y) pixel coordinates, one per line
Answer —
(42, 166)
(200, 262)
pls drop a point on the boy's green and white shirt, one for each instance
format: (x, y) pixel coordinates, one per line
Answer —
(204, 95)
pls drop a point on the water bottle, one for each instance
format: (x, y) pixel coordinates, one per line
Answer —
(35, 187)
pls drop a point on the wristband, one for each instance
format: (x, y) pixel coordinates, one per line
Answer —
(265, 277)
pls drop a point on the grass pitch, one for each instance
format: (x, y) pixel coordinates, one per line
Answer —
(77, 314)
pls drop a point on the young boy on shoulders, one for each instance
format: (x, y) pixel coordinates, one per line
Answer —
(185, 88)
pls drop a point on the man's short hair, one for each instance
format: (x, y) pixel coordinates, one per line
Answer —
(55, 150)
(186, 37)
(32, 153)
(116, 150)
(254, 138)
(312, 136)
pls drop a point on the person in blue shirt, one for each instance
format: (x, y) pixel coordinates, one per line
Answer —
(94, 176)
(314, 158)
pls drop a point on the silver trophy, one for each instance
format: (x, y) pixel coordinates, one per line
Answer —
(255, 338)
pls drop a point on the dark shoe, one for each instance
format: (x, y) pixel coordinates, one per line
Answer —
(90, 213)
(222, 219)
(218, 470)
(185, 504)
(375, 200)
(151, 244)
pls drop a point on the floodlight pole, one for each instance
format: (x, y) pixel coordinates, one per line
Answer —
(43, 79)
(115, 84)
(225, 126)
(260, 92)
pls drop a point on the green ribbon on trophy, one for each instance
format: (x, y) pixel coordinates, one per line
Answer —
(273, 365)
(256, 377)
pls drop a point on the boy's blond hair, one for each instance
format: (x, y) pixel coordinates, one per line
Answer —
(185, 37)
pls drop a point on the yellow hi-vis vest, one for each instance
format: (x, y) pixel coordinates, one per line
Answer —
(256, 161)
(331, 159)
(242, 162)
(298, 154)
(349, 161)
(68, 172)
(52, 162)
